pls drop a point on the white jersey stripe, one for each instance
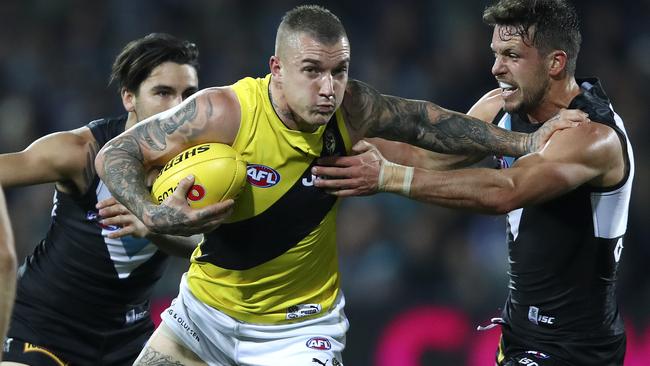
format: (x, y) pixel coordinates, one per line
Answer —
(610, 209)
(127, 253)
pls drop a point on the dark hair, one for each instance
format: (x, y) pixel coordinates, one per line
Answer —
(139, 57)
(314, 20)
(555, 25)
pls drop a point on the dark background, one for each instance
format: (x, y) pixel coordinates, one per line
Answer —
(418, 279)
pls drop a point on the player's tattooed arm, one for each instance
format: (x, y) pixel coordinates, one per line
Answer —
(124, 156)
(124, 173)
(123, 164)
(153, 135)
(429, 126)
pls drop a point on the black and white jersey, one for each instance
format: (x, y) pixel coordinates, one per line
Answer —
(77, 274)
(564, 253)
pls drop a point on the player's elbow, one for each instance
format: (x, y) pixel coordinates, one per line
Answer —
(502, 200)
(8, 260)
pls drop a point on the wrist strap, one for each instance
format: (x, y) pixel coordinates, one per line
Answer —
(395, 178)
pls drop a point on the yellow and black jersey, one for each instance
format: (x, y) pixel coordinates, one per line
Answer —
(276, 259)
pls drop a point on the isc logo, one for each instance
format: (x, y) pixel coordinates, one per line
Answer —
(319, 343)
(262, 176)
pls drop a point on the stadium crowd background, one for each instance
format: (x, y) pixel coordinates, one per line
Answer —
(418, 279)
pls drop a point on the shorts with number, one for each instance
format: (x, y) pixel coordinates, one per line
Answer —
(219, 339)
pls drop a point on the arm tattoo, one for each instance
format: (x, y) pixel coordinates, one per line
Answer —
(124, 174)
(154, 134)
(426, 125)
(124, 164)
(151, 357)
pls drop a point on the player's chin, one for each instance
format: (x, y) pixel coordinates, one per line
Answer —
(512, 107)
(321, 118)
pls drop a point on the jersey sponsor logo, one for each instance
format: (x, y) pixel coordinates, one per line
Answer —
(183, 324)
(536, 318)
(618, 250)
(301, 310)
(319, 343)
(262, 176)
(308, 182)
(314, 359)
(133, 316)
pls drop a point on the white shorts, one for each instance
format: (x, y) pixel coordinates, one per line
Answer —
(219, 339)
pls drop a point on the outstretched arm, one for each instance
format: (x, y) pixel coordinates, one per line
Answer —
(208, 116)
(426, 125)
(7, 268)
(66, 158)
(588, 154)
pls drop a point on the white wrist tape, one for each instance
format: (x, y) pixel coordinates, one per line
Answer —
(395, 178)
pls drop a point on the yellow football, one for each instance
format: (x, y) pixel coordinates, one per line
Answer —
(219, 174)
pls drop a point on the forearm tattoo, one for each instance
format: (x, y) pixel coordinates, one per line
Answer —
(124, 173)
(426, 125)
(124, 160)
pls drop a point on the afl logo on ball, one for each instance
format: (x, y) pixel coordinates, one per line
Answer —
(196, 193)
(262, 176)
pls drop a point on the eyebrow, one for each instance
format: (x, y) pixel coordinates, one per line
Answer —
(318, 62)
(162, 88)
(311, 61)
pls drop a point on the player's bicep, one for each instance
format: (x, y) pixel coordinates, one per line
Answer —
(570, 159)
(208, 116)
(544, 180)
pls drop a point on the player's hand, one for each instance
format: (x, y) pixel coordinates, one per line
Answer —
(175, 216)
(356, 175)
(114, 213)
(566, 118)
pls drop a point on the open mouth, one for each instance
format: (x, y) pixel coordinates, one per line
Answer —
(507, 89)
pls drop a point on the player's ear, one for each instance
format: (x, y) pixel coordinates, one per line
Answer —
(128, 100)
(275, 66)
(557, 63)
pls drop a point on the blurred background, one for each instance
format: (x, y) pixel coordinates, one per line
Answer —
(418, 279)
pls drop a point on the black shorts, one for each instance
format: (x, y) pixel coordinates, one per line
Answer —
(516, 351)
(69, 342)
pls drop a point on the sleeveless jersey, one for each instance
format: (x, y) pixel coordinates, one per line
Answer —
(564, 253)
(76, 274)
(276, 260)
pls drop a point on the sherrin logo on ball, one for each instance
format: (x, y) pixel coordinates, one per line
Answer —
(219, 174)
